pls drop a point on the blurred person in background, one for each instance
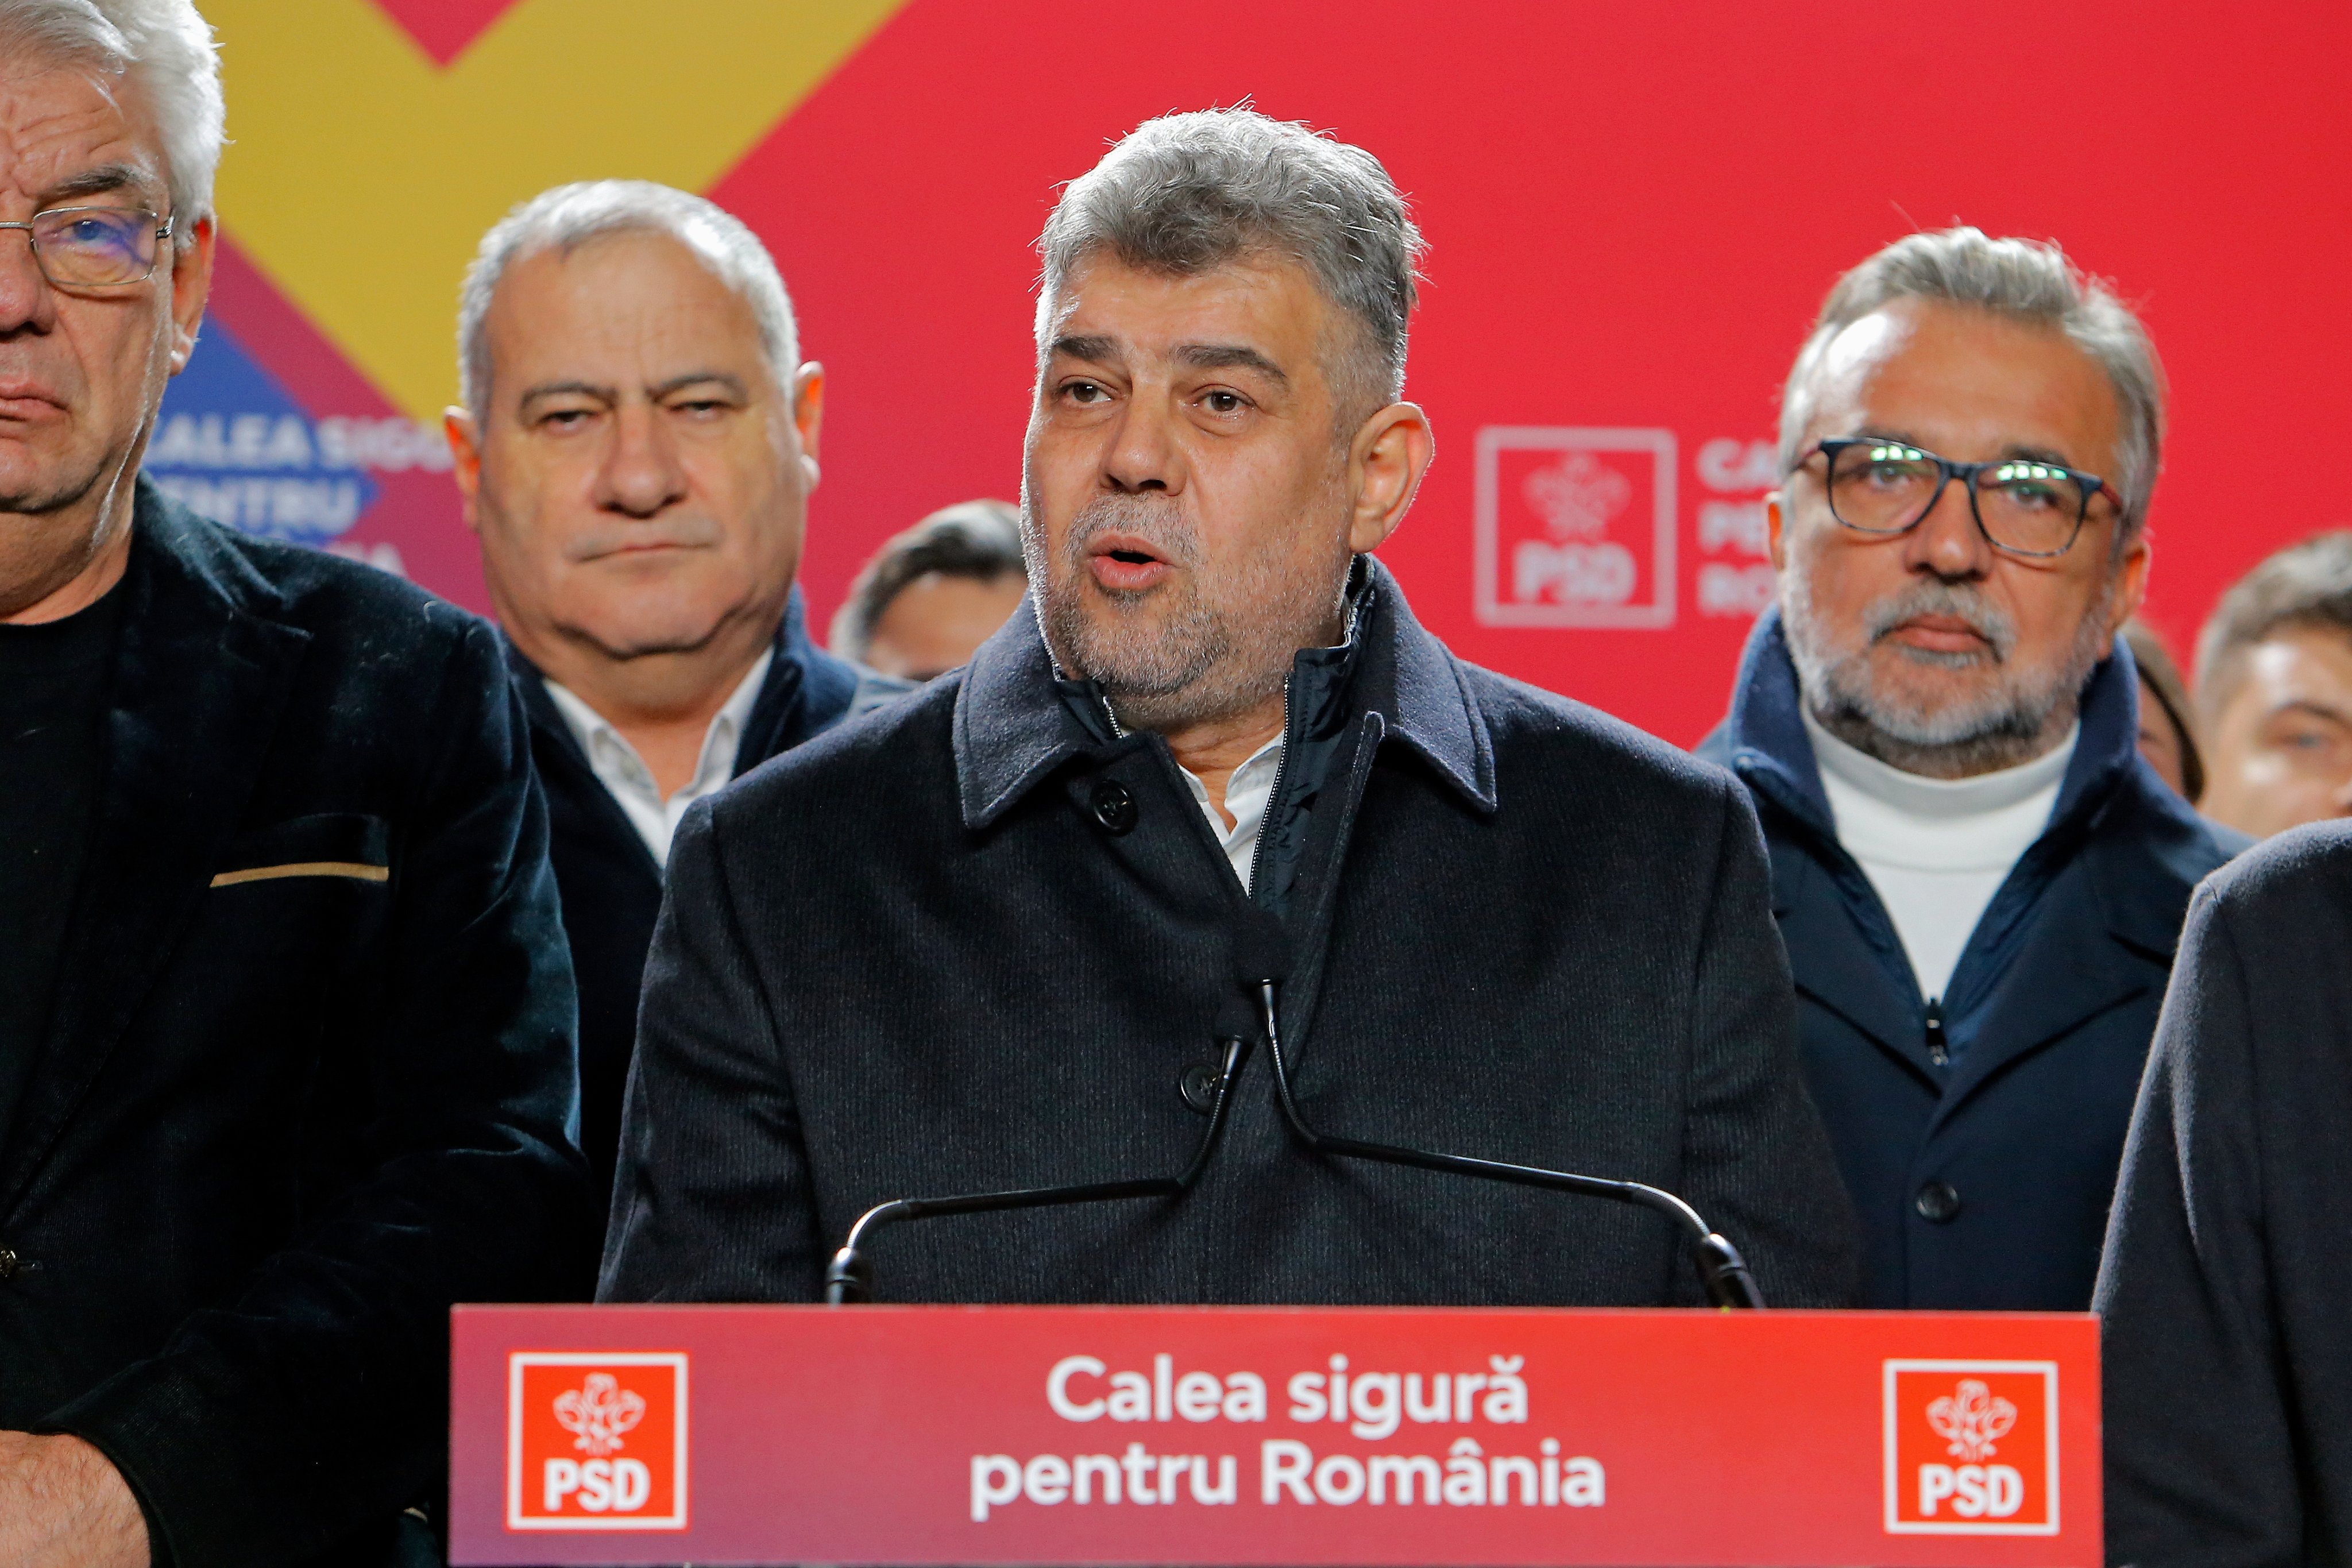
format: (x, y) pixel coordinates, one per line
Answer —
(1979, 879)
(2167, 726)
(635, 452)
(1000, 933)
(285, 1055)
(934, 594)
(2275, 691)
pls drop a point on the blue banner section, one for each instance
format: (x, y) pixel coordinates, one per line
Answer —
(232, 444)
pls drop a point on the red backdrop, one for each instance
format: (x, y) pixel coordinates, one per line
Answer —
(1633, 212)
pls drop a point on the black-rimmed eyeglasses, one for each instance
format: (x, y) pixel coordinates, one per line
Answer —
(2022, 505)
(96, 248)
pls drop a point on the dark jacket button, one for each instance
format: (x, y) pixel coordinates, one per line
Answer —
(1199, 1085)
(1113, 806)
(1938, 1201)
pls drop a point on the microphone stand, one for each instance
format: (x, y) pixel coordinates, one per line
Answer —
(850, 1276)
(1720, 1267)
(1263, 958)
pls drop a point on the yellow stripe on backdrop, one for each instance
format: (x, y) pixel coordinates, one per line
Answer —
(361, 174)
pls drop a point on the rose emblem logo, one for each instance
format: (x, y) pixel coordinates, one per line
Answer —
(600, 1410)
(1971, 1419)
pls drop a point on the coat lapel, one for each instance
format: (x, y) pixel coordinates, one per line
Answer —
(199, 685)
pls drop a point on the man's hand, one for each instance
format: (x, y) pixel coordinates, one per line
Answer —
(63, 1506)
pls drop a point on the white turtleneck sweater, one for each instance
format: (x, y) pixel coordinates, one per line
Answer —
(1936, 850)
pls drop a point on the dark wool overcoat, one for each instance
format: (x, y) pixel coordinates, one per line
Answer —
(931, 952)
(2228, 1371)
(308, 1080)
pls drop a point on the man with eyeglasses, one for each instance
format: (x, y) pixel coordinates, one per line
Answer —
(1979, 879)
(286, 1014)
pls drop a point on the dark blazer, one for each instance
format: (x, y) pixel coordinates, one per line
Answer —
(2229, 1356)
(611, 885)
(310, 1078)
(1981, 1182)
(931, 951)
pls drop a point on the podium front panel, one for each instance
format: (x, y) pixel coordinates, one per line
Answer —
(1271, 1436)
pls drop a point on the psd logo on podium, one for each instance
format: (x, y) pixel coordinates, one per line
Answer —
(1575, 526)
(595, 1442)
(1971, 1447)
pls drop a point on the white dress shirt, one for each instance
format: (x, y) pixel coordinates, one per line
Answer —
(631, 783)
(1247, 795)
(1936, 850)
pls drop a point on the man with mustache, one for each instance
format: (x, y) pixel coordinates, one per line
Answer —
(1008, 933)
(635, 452)
(1979, 879)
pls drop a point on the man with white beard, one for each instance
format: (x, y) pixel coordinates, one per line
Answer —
(1009, 933)
(1980, 881)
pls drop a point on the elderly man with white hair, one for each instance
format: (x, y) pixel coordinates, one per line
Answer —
(1978, 878)
(636, 450)
(286, 1017)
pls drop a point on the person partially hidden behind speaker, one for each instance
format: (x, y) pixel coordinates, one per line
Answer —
(1012, 932)
(286, 1019)
(636, 450)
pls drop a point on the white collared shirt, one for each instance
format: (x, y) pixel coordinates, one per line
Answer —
(1247, 795)
(631, 783)
(1936, 850)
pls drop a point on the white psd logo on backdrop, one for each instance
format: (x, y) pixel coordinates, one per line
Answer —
(1575, 526)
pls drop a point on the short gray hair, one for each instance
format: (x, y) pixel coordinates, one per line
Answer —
(1187, 193)
(979, 541)
(168, 49)
(2029, 280)
(2306, 585)
(569, 216)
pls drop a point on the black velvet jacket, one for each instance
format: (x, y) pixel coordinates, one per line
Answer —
(310, 1078)
(964, 945)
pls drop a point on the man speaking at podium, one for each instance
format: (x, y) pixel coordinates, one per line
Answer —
(1005, 935)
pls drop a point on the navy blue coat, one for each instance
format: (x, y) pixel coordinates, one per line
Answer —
(2047, 1019)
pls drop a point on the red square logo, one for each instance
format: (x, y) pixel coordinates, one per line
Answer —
(1971, 1447)
(1576, 528)
(595, 1442)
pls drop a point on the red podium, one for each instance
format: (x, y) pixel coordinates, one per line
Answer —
(1248, 1436)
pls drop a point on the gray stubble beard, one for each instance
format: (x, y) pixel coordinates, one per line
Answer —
(2018, 718)
(1211, 659)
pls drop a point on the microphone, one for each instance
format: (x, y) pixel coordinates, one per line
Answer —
(1262, 956)
(850, 1276)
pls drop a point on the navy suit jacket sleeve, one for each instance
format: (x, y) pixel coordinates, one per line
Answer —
(1757, 1165)
(261, 1429)
(2199, 1440)
(710, 1201)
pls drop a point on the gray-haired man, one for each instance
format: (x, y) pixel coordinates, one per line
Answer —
(636, 452)
(1979, 880)
(989, 938)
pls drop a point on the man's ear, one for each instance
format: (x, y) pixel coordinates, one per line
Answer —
(1775, 537)
(2131, 581)
(464, 459)
(808, 413)
(1392, 451)
(192, 283)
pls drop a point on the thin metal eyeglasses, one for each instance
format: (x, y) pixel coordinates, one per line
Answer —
(2022, 505)
(96, 248)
